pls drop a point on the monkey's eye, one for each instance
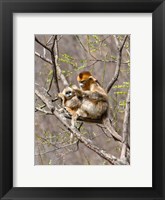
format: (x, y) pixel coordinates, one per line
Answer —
(82, 81)
(68, 92)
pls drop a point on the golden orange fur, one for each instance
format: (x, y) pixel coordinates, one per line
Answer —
(95, 99)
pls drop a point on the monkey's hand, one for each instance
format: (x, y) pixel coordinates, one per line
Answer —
(78, 92)
(86, 93)
(74, 87)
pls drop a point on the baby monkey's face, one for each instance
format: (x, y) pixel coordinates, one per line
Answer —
(68, 93)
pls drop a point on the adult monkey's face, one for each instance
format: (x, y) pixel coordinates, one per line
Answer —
(85, 79)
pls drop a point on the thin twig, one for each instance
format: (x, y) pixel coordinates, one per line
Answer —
(89, 49)
(93, 63)
(39, 42)
(119, 52)
(111, 131)
(43, 58)
(103, 129)
(60, 38)
(47, 43)
(85, 49)
(81, 44)
(50, 85)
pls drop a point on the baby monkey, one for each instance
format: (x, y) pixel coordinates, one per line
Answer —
(72, 100)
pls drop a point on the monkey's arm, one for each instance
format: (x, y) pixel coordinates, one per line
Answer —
(95, 96)
(63, 98)
(79, 93)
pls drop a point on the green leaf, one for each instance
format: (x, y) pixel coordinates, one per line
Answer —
(120, 93)
(113, 57)
(122, 103)
(50, 72)
(81, 67)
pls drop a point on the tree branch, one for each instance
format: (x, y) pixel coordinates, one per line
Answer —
(65, 82)
(43, 58)
(43, 110)
(112, 159)
(54, 64)
(111, 131)
(119, 53)
(125, 127)
(50, 85)
(47, 43)
(81, 44)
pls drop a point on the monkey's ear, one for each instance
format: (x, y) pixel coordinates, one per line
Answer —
(92, 78)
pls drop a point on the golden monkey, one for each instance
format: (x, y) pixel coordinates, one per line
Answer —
(72, 101)
(95, 99)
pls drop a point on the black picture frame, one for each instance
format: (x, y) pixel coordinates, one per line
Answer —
(7, 8)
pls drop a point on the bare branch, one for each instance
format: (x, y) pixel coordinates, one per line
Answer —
(108, 61)
(39, 42)
(125, 127)
(43, 111)
(89, 49)
(128, 52)
(116, 41)
(111, 131)
(103, 128)
(43, 58)
(60, 38)
(81, 44)
(47, 43)
(50, 84)
(46, 100)
(119, 52)
(93, 63)
(65, 82)
(54, 64)
(112, 159)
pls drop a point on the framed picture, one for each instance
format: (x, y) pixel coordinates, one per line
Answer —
(82, 99)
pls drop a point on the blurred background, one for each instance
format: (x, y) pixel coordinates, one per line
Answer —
(77, 53)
